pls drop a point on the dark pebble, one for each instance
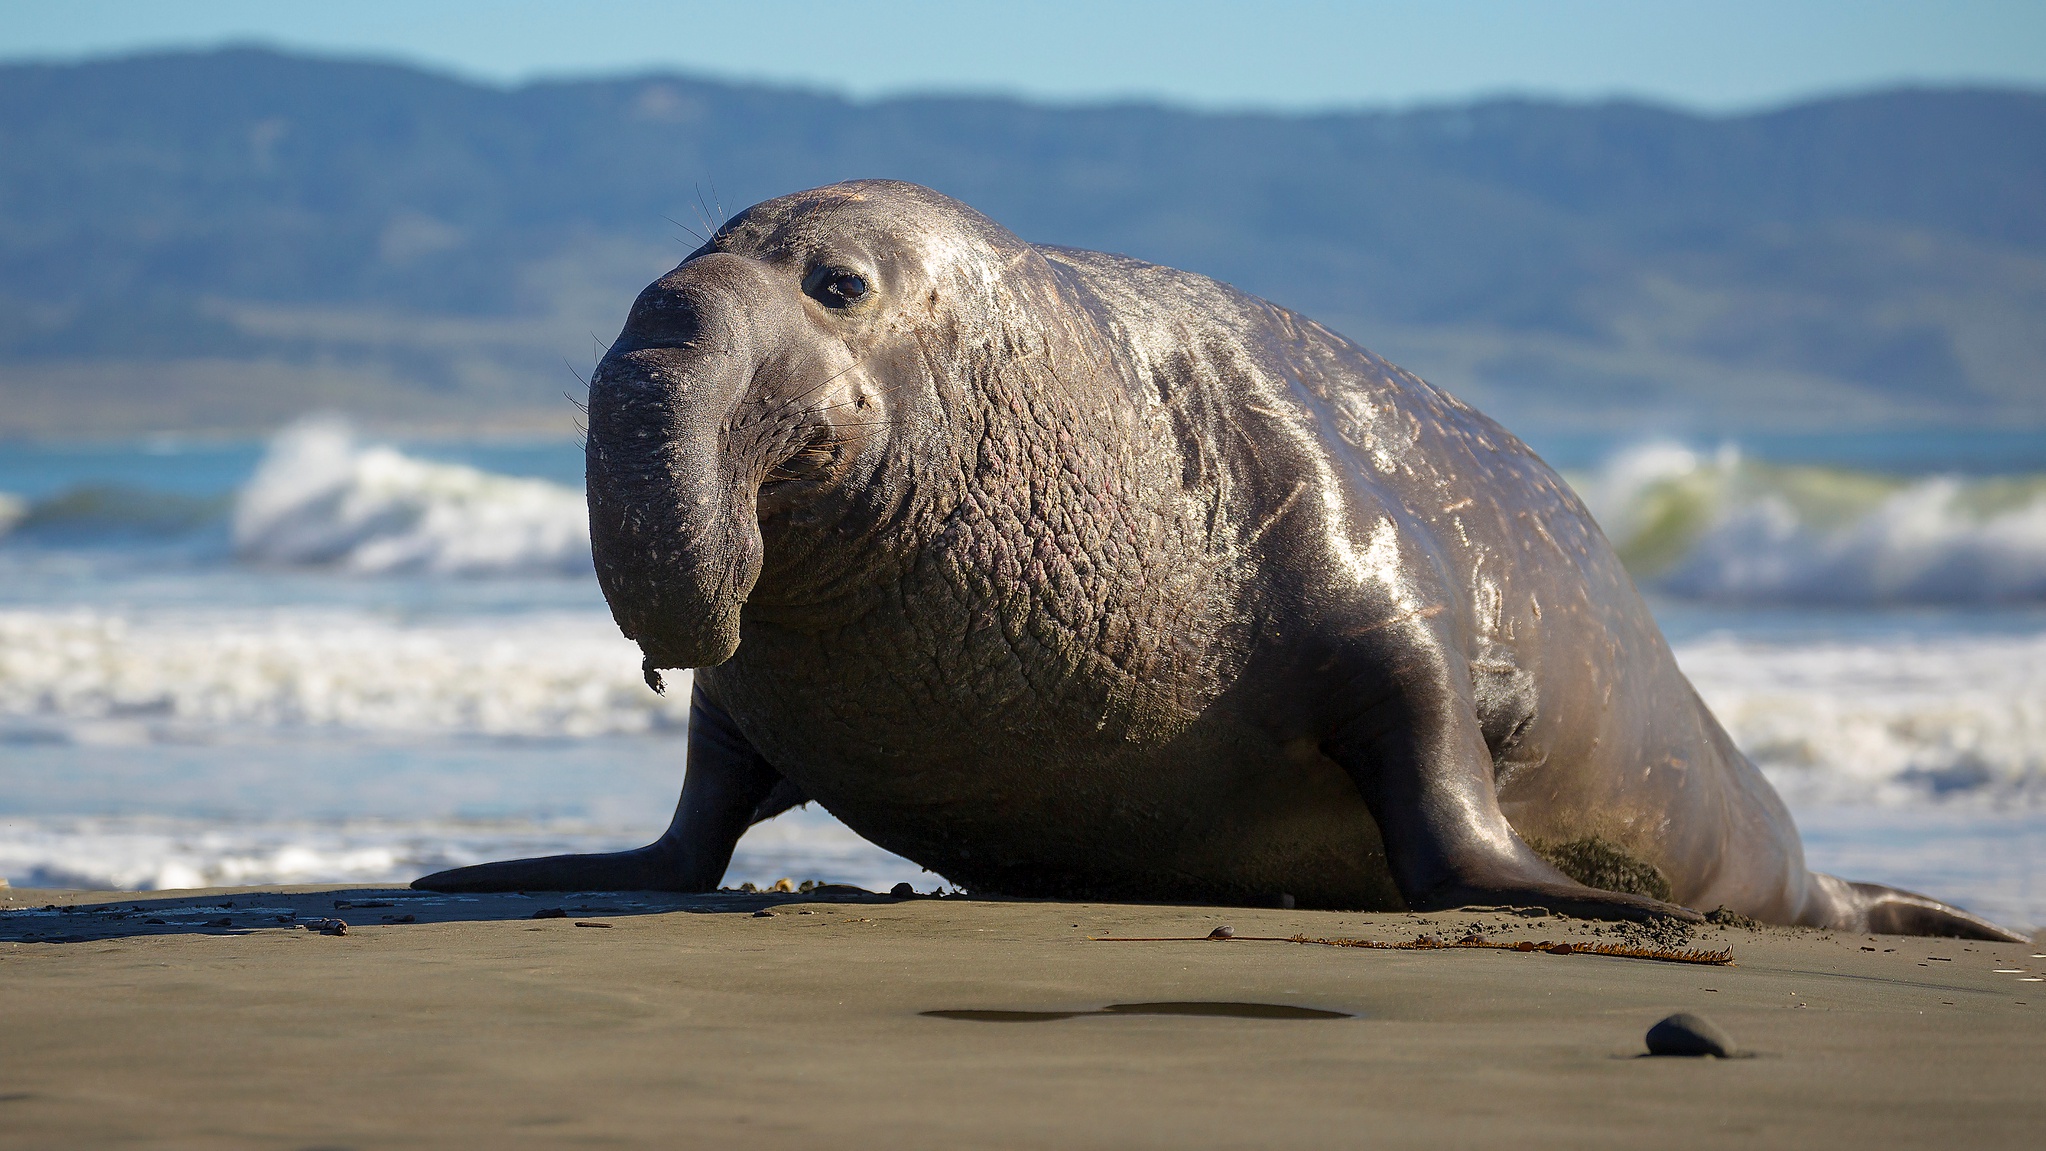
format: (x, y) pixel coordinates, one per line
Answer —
(763, 913)
(550, 913)
(1688, 1034)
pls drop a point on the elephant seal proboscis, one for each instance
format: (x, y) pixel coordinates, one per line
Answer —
(1064, 574)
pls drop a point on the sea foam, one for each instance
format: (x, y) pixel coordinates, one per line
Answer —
(145, 853)
(172, 675)
(1888, 720)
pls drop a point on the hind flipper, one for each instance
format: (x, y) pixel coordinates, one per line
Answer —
(1873, 907)
(1894, 912)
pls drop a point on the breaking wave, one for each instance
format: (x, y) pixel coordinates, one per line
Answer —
(321, 498)
(1720, 526)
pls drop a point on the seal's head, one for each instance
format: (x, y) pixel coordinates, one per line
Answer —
(778, 398)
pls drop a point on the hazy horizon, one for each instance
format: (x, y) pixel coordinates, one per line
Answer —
(1306, 57)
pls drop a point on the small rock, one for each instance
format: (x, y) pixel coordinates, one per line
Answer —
(399, 918)
(158, 922)
(1688, 1034)
(550, 913)
(1223, 932)
(763, 913)
(587, 923)
(1428, 939)
(902, 891)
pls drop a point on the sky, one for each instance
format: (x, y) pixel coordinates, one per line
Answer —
(1729, 56)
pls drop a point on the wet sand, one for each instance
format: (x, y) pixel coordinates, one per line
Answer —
(691, 1021)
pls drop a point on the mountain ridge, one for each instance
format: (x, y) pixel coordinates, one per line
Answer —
(223, 239)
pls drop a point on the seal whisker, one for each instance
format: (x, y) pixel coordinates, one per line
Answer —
(700, 237)
(703, 210)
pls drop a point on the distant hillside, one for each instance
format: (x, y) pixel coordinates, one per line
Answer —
(223, 240)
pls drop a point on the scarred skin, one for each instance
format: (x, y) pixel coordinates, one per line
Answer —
(1068, 575)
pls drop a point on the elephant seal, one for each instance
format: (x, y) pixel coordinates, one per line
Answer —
(1068, 575)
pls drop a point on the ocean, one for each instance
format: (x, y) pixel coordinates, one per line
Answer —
(334, 658)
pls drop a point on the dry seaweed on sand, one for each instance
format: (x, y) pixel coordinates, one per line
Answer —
(1434, 943)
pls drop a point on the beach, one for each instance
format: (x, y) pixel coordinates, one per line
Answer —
(693, 1020)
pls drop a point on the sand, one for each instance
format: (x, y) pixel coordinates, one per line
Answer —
(690, 1021)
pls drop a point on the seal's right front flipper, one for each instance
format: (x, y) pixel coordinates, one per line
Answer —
(724, 789)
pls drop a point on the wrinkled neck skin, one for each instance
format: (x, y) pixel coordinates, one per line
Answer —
(994, 438)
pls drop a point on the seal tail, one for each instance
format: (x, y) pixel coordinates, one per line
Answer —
(1848, 906)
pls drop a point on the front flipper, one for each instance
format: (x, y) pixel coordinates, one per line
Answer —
(726, 788)
(1416, 752)
(1849, 906)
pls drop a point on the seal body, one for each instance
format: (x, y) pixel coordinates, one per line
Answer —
(1064, 574)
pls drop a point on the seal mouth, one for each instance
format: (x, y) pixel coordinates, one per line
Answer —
(814, 459)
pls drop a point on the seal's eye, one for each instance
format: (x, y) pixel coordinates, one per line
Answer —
(837, 287)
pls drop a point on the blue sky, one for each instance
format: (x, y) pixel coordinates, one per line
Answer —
(1732, 55)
